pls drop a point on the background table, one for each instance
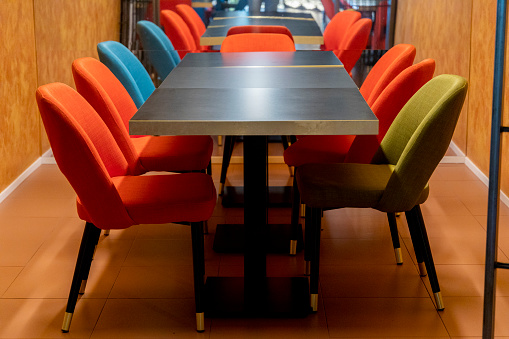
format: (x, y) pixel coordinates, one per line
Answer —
(290, 93)
(304, 28)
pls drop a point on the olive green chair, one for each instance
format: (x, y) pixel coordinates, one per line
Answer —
(396, 180)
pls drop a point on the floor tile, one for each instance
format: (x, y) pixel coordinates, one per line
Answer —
(385, 317)
(149, 318)
(42, 318)
(7, 276)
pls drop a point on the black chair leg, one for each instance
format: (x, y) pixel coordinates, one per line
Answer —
(89, 240)
(393, 226)
(229, 143)
(209, 168)
(199, 273)
(313, 219)
(420, 230)
(416, 242)
(295, 217)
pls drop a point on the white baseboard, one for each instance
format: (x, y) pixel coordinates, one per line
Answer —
(5, 193)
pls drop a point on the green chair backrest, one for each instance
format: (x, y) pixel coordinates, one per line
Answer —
(418, 139)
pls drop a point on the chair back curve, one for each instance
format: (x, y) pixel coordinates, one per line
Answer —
(418, 139)
(128, 69)
(387, 107)
(86, 153)
(178, 32)
(393, 62)
(158, 48)
(257, 42)
(354, 42)
(104, 92)
(336, 29)
(193, 22)
(260, 29)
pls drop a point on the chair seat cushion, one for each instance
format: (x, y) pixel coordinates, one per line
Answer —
(318, 149)
(329, 186)
(174, 153)
(167, 198)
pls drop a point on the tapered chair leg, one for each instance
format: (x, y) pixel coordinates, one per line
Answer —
(313, 219)
(295, 217)
(199, 273)
(393, 226)
(416, 242)
(229, 143)
(421, 235)
(209, 168)
(89, 240)
(309, 241)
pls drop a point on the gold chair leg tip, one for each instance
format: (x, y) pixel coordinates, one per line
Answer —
(422, 269)
(67, 322)
(314, 302)
(293, 247)
(439, 301)
(308, 268)
(399, 256)
(200, 322)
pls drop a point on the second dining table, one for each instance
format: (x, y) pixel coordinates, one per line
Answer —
(255, 95)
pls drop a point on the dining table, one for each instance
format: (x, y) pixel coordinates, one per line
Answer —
(256, 95)
(303, 26)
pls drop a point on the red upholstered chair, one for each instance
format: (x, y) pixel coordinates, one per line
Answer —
(379, 30)
(328, 8)
(193, 22)
(97, 84)
(260, 29)
(336, 29)
(251, 42)
(386, 69)
(257, 42)
(354, 42)
(361, 148)
(178, 32)
(109, 195)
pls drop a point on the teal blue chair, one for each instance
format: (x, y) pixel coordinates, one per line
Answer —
(128, 69)
(158, 48)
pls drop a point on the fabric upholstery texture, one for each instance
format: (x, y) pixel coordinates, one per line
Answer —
(108, 196)
(386, 69)
(158, 48)
(336, 29)
(412, 148)
(260, 29)
(193, 22)
(354, 42)
(361, 148)
(128, 69)
(257, 42)
(178, 32)
(112, 102)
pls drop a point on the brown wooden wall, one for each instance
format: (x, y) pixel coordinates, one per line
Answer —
(40, 39)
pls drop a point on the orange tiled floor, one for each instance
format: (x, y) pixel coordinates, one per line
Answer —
(141, 280)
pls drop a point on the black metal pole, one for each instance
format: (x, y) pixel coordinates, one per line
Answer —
(494, 185)
(392, 22)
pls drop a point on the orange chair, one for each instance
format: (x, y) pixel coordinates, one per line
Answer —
(178, 32)
(257, 42)
(193, 22)
(260, 29)
(335, 32)
(361, 148)
(385, 70)
(97, 84)
(250, 42)
(354, 42)
(109, 195)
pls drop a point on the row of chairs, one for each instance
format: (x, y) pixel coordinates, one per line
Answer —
(88, 133)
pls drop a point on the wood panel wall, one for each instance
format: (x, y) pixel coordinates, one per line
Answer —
(19, 119)
(439, 30)
(40, 39)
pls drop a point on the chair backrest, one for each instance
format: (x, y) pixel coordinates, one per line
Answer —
(354, 43)
(328, 8)
(128, 69)
(86, 153)
(177, 31)
(336, 29)
(257, 42)
(379, 31)
(418, 139)
(386, 69)
(104, 92)
(172, 4)
(260, 29)
(193, 22)
(158, 48)
(387, 107)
